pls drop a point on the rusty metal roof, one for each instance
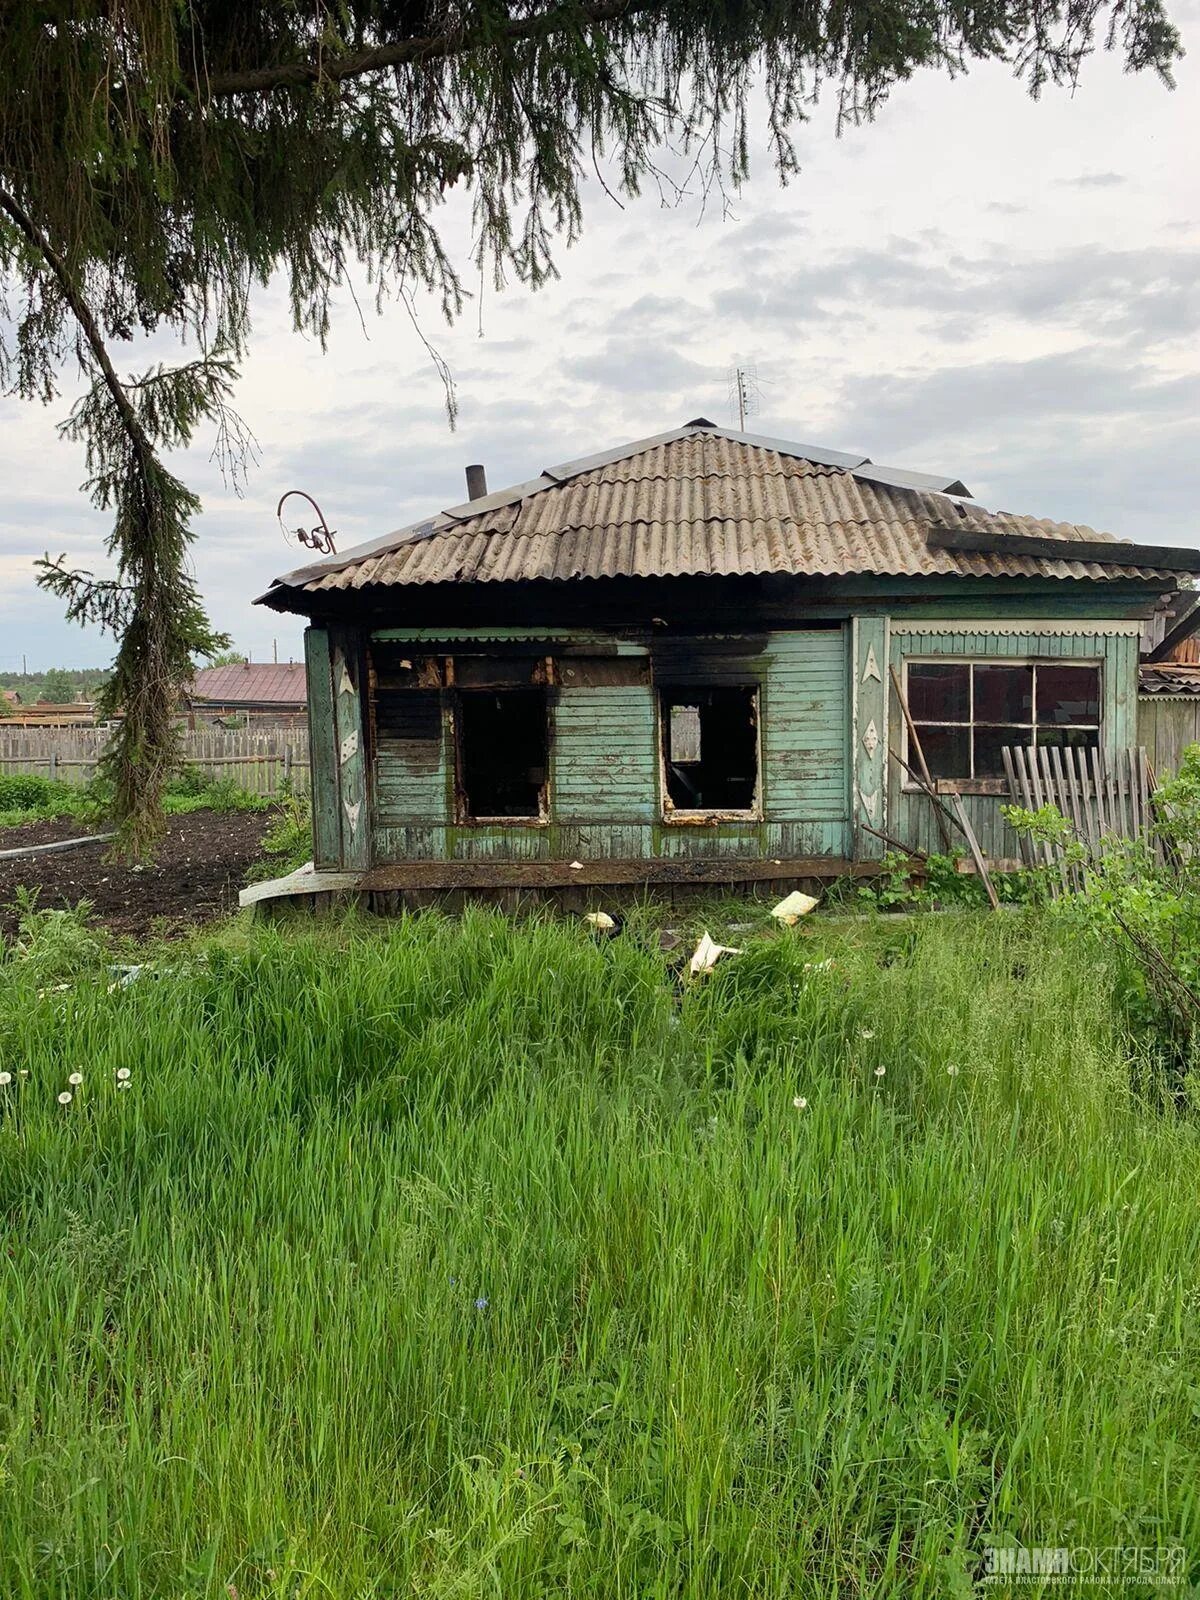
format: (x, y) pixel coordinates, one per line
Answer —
(243, 683)
(705, 501)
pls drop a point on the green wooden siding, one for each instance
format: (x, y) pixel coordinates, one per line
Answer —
(411, 771)
(911, 814)
(605, 769)
(868, 690)
(804, 724)
(327, 831)
(604, 762)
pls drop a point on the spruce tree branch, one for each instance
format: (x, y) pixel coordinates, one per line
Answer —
(430, 47)
(83, 316)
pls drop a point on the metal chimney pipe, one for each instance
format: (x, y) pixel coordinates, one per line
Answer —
(476, 481)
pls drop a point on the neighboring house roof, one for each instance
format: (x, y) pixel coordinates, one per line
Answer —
(1169, 678)
(250, 684)
(1178, 673)
(706, 501)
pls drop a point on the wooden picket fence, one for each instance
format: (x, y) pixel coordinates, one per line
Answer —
(256, 760)
(1102, 794)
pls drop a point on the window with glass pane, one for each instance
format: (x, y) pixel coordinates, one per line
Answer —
(967, 712)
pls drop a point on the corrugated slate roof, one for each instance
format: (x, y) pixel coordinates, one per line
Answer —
(245, 683)
(1168, 678)
(704, 501)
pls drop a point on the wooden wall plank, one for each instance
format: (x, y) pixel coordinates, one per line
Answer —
(348, 666)
(326, 798)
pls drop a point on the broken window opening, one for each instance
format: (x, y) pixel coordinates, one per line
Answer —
(710, 749)
(503, 744)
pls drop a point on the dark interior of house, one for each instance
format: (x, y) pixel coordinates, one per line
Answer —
(502, 741)
(711, 748)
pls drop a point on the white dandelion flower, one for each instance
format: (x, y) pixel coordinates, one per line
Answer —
(800, 1103)
(879, 1071)
(952, 1070)
(5, 1077)
(122, 1074)
(867, 1033)
(76, 1078)
(124, 1084)
(65, 1098)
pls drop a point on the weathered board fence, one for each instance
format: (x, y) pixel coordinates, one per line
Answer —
(257, 761)
(1167, 724)
(1103, 794)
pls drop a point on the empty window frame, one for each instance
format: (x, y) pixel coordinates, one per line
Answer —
(710, 750)
(502, 753)
(965, 712)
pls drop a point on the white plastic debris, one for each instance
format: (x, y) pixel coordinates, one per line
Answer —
(707, 953)
(601, 920)
(792, 907)
(126, 976)
(576, 866)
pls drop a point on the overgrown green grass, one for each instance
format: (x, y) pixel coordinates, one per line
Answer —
(484, 1259)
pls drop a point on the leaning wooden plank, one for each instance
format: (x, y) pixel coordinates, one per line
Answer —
(1120, 765)
(1100, 779)
(922, 764)
(1038, 798)
(58, 844)
(1090, 830)
(905, 849)
(1024, 843)
(1066, 804)
(976, 853)
(1050, 789)
(939, 805)
(1033, 797)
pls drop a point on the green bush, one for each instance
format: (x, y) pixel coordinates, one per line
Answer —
(188, 782)
(288, 841)
(22, 791)
(54, 946)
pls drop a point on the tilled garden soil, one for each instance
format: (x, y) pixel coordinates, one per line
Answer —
(195, 876)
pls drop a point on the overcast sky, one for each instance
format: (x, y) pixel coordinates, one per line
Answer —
(976, 284)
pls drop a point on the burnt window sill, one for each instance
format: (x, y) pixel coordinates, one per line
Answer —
(694, 819)
(503, 822)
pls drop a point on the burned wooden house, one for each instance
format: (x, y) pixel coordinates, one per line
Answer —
(672, 662)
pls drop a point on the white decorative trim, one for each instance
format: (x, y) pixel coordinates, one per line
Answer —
(350, 746)
(352, 811)
(870, 802)
(345, 685)
(986, 627)
(871, 670)
(870, 739)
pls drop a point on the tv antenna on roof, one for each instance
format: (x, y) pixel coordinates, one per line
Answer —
(744, 394)
(319, 538)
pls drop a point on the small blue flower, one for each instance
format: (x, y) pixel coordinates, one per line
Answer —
(481, 1304)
